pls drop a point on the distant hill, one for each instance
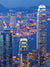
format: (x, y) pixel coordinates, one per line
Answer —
(30, 9)
(3, 9)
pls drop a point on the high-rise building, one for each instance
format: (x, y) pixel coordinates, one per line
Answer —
(13, 23)
(6, 48)
(41, 32)
(41, 29)
(23, 50)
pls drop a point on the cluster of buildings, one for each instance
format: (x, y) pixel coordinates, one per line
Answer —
(25, 59)
(21, 23)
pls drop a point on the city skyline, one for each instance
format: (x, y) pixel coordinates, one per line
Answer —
(18, 41)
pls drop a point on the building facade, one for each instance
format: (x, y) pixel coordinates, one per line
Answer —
(23, 50)
(6, 49)
(41, 29)
(13, 23)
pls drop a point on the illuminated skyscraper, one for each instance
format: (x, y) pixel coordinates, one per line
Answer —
(6, 49)
(23, 50)
(41, 29)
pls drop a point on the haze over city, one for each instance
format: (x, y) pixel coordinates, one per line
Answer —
(24, 3)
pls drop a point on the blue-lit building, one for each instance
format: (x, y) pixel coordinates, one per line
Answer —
(23, 50)
(41, 29)
(41, 33)
(6, 48)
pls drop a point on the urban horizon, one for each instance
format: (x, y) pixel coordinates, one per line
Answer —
(25, 37)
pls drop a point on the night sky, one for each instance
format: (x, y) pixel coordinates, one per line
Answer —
(23, 3)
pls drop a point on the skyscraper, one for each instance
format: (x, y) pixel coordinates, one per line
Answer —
(13, 23)
(41, 29)
(23, 50)
(6, 49)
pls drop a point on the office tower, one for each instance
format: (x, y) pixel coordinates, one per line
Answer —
(41, 33)
(13, 23)
(23, 50)
(6, 48)
(41, 29)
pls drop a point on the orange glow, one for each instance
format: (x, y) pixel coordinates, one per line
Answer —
(14, 58)
(9, 24)
(48, 54)
(30, 30)
(30, 55)
(17, 58)
(31, 19)
(20, 35)
(27, 27)
(34, 24)
(17, 24)
(23, 32)
(13, 35)
(18, 54)
(17, 34)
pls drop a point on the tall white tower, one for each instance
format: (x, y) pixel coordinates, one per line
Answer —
(41, 29)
